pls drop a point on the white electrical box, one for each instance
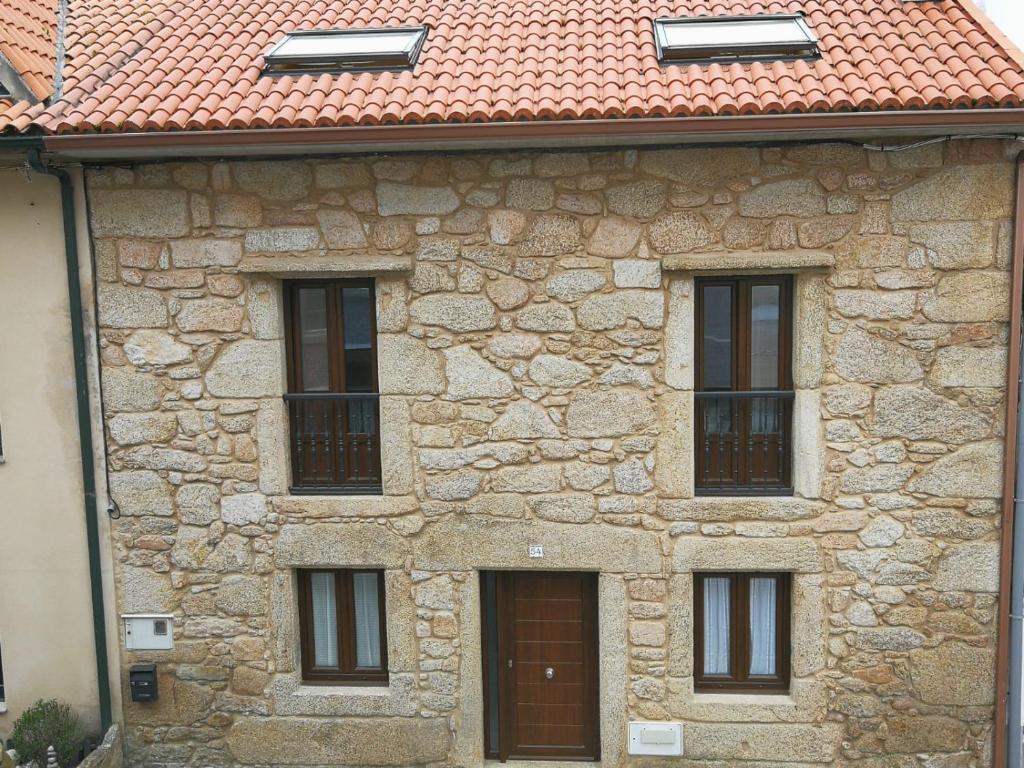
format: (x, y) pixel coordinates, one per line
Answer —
(656, 739)
(148, 631)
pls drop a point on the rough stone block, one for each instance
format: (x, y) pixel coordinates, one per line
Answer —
(398, 741)
(126, 307)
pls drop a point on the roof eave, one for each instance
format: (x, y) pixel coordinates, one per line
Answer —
(535, 134)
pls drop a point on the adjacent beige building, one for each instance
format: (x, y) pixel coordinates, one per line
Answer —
(46, 630)
(536, 367)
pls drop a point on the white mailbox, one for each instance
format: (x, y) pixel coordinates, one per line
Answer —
(656, 739)
(148, 631)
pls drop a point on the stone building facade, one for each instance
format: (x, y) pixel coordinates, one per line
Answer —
(535, 317)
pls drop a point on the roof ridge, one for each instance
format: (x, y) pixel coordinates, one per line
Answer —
(103, 71)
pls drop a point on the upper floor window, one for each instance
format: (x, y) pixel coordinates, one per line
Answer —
(333, 398)
(741, 631)
(744, 398)
(341, 626)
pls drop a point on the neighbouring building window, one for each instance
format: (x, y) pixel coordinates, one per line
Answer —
(333, 398)
(3, 693)
(744, 397)
(341, 627)
(741, 632)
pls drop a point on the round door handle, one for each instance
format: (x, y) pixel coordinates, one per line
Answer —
(549, 673)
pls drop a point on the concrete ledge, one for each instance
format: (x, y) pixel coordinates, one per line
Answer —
(325, 266)
(399, 741)
(721, 261)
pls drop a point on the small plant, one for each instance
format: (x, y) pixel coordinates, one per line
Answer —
(44, 724)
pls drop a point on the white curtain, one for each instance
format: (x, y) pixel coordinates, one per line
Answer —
(325, 620)
(364, 587)
(762, 626)
(716, 626)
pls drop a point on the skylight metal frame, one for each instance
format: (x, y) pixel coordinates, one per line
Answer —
(277, 63)
(790, 50)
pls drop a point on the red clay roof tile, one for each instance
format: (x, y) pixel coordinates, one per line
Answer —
(170, 65)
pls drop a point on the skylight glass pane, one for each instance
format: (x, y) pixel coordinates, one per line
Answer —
(363, 44)
(733, 33)
(738, 38)
(347, 49)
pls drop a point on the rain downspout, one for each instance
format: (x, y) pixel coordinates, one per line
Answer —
(92, 510)
(1008, 726)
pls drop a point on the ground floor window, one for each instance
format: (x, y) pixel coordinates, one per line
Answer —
(741, 631)
(341, 626)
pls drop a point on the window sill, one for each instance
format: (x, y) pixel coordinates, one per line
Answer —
(743, 493)
(370, 491)
(292, 697)
(3, 707)
(780, 699)
(306, 688)
(495, 763)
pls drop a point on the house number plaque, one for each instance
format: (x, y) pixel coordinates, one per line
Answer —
(535, 550)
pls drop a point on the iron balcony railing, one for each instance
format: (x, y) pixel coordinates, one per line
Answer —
(335, 442)
(744, 442)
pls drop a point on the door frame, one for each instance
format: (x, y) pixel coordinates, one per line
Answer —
(504, 581)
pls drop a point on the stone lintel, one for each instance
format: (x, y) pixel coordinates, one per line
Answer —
(326, 266)
(321, 507)
(472, 543)
(737, 553)
(348, 545)
(728, 509)
(732, 261)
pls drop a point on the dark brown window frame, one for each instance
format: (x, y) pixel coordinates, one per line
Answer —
(347, 672)
(739, 680)
(297, 400)
(740, 392)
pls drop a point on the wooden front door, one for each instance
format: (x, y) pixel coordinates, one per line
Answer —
(540, 665)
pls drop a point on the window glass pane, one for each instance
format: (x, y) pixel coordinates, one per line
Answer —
(717, 337)
(716, 626)
(367, 612)
(316, 376)
(764, 337)
(762, 626)
(356, 308)
(325, 619)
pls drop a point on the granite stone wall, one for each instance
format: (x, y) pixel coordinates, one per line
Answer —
(535, 319)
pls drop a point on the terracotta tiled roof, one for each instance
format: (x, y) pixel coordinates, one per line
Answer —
(28, 40)
(144, 65)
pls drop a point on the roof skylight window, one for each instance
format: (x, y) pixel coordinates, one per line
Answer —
(337, 50)
(734, 38)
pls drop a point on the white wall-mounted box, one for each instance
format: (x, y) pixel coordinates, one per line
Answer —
(148, 631)
(656, 739)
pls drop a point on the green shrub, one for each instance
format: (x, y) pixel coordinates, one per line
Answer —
(44, 724)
